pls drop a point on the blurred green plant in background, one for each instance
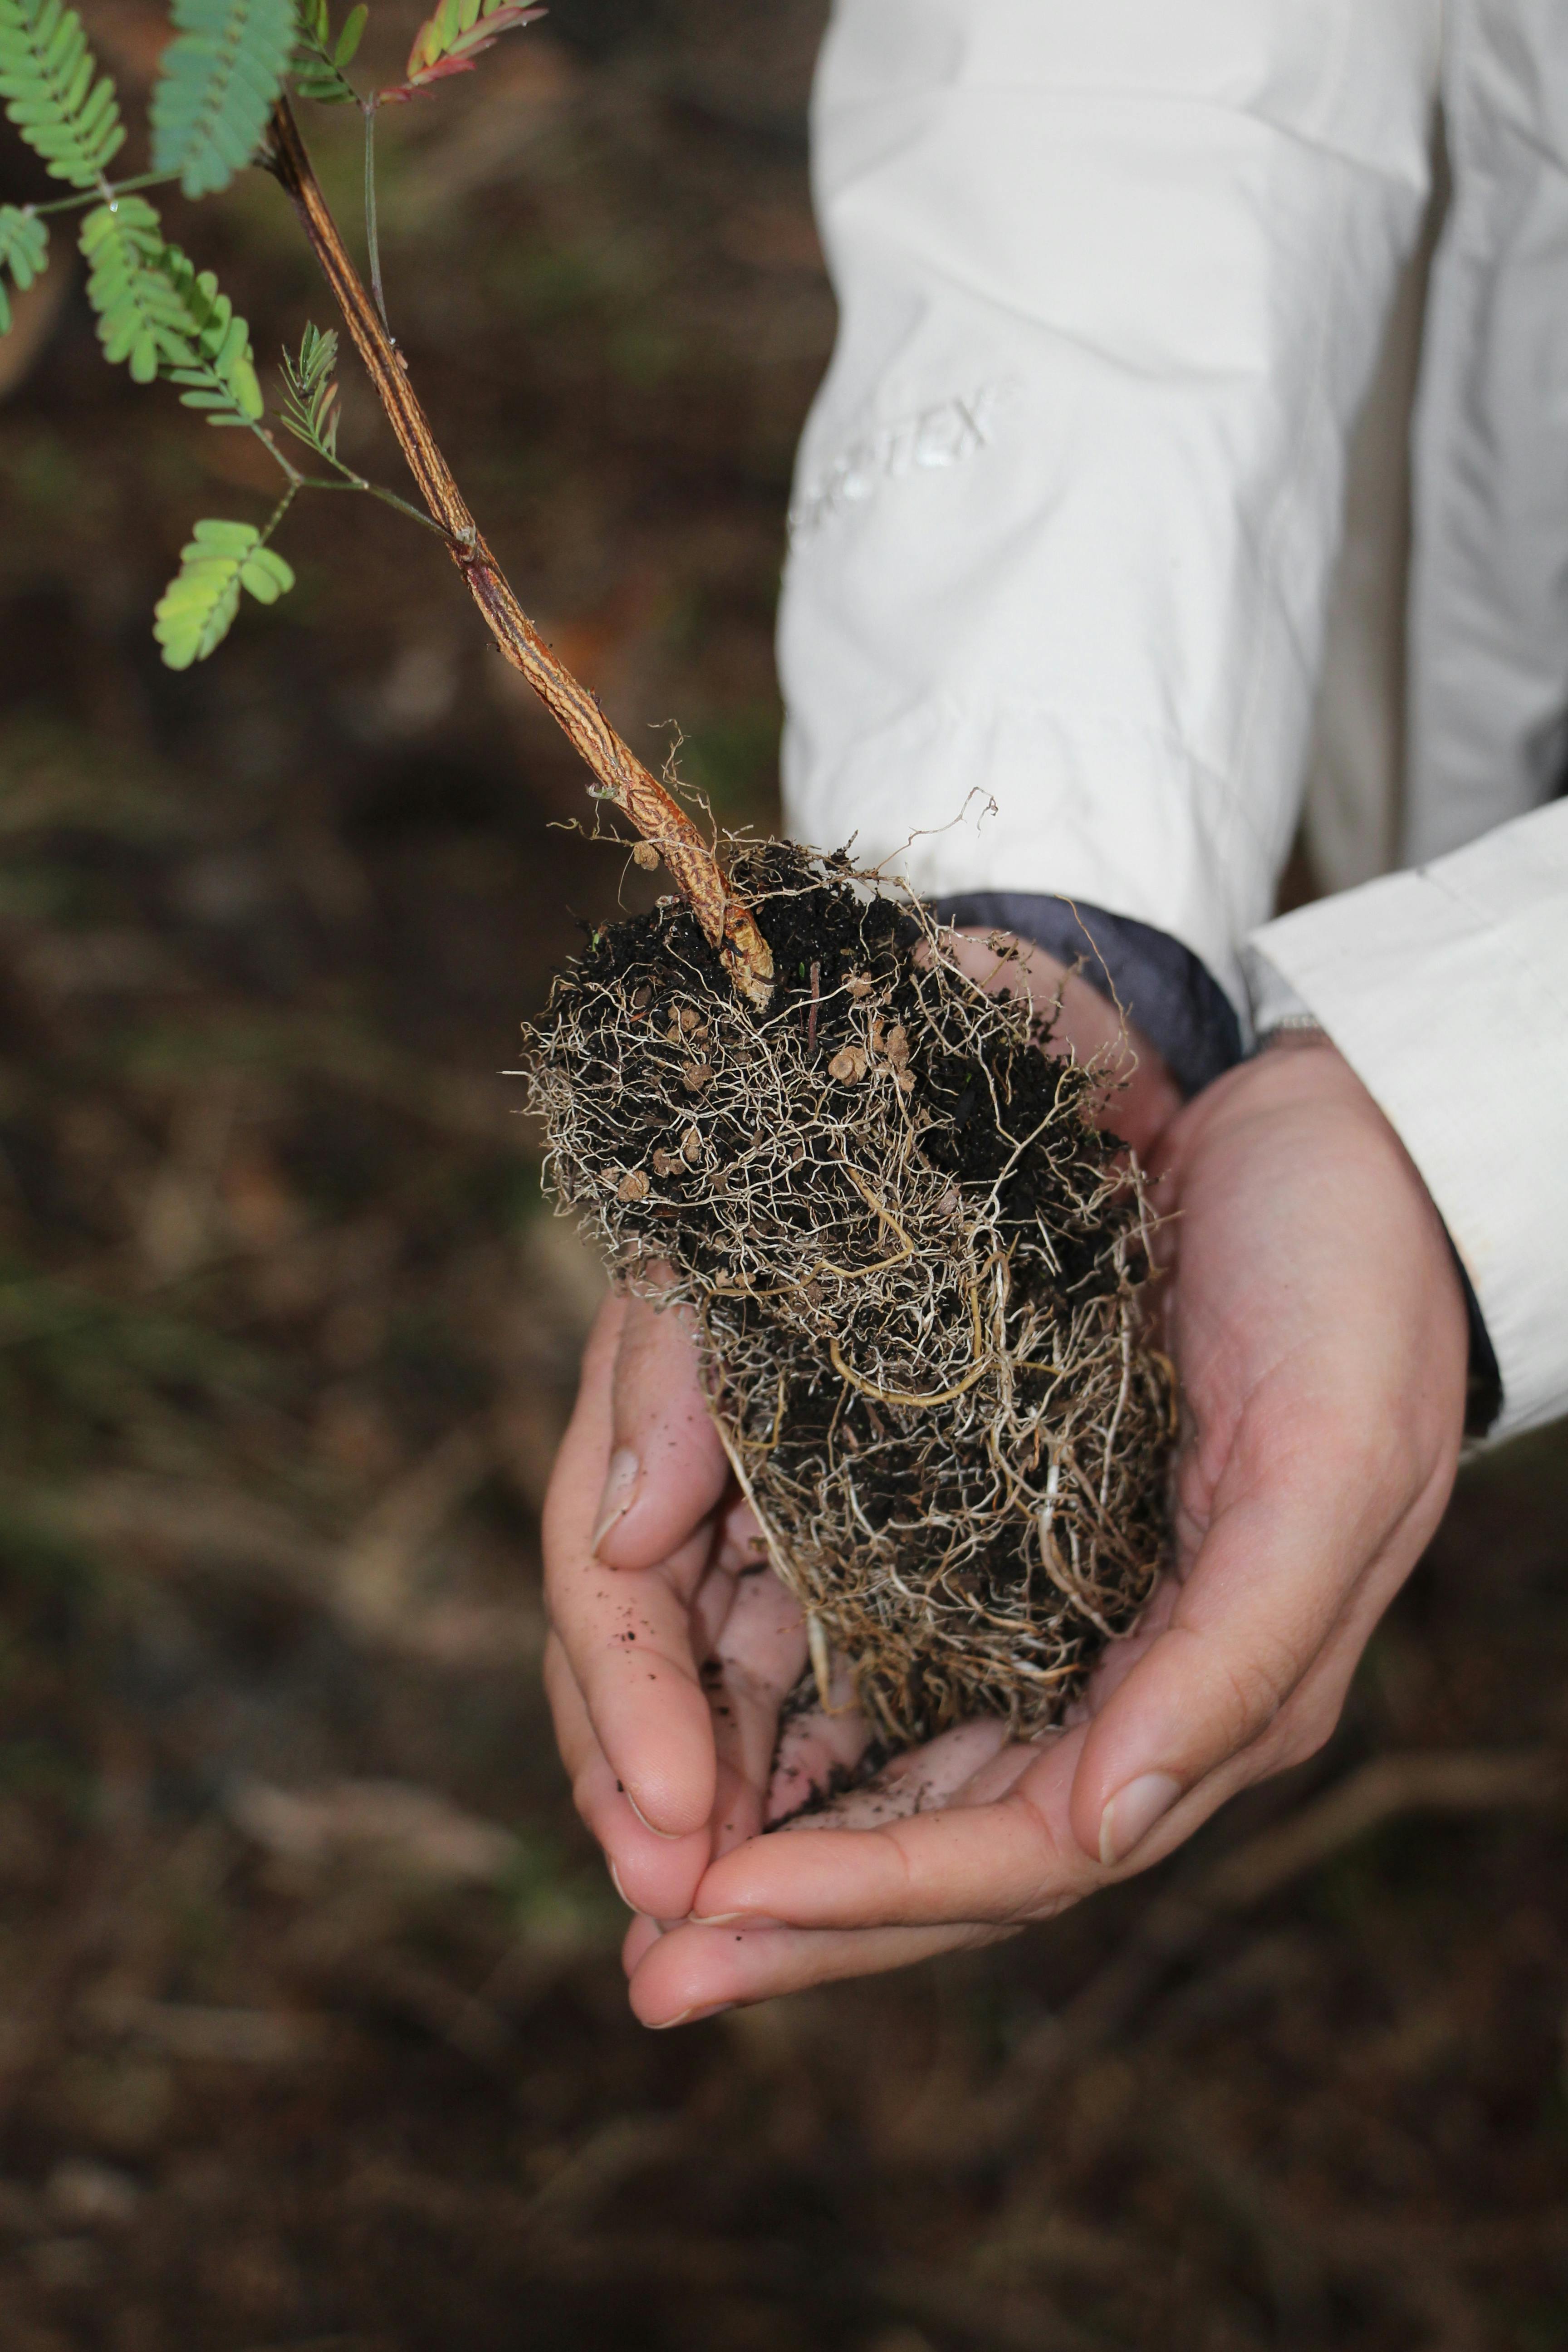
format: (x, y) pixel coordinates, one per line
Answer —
(218, 83)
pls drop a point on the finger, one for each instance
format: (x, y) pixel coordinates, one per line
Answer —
(755, 1662)
(1276, 1570)
(690, 1972)
(761, 1651)
(625, 1634)
(666, 1468)
(1119, 1657)
(741, 1549)
(1002, 1861)
(649, 1872)
(820, 1746)
(758, 1654)
(640, 1938)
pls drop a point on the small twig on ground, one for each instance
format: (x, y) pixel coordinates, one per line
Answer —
(1303, 2254)
(1175, 1924)
(603, 2163)
(1294, 2269)
(375, 1590)
(90, 1918)
(1444, 1781)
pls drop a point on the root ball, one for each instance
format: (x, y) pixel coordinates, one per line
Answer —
(915, 1263)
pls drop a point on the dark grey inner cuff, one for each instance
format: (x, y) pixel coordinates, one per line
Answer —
(1174, 998)
(1483, 1389)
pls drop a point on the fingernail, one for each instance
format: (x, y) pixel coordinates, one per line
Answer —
(616, 1883)
(620, 1485)
(731, 1919)
(671, 1837)
(692, 2016)
(1132, 1813)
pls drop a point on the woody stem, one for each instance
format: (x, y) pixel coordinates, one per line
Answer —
(728, 924)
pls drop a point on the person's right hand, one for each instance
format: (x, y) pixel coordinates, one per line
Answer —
(673, 1645)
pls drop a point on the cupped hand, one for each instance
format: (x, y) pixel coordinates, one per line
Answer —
(672, 1644)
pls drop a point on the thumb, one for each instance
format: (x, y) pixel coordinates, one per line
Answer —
(666, 1468)
(1275, 1573)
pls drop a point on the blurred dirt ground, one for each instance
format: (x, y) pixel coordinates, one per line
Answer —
(311, 2027)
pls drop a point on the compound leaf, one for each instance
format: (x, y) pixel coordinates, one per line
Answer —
(451, 41)
(216, 86)
(196, 610)
(311, 393)
(24, 250)
(164, 318)
(63, 107)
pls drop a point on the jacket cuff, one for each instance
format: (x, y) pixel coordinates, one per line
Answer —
(1152, 979)
(1443, 989)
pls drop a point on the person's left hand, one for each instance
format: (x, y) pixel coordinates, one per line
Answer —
(1316, 1320)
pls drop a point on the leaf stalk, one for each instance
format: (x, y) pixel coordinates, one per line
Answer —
(107, 192)
(372, 231)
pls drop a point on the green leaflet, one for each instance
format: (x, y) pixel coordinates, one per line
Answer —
(351, 34)
(310, 394)
(319, 62)
(217, 87)
(196, 609)
(24, 249)
(162, 318)
(63, 107)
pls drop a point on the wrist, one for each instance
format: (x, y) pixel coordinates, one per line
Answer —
(1293, 1032)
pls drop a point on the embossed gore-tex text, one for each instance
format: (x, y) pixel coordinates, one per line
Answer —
(946, 434)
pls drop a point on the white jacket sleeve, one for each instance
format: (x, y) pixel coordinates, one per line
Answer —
(1113, 279)
(1446, 990)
